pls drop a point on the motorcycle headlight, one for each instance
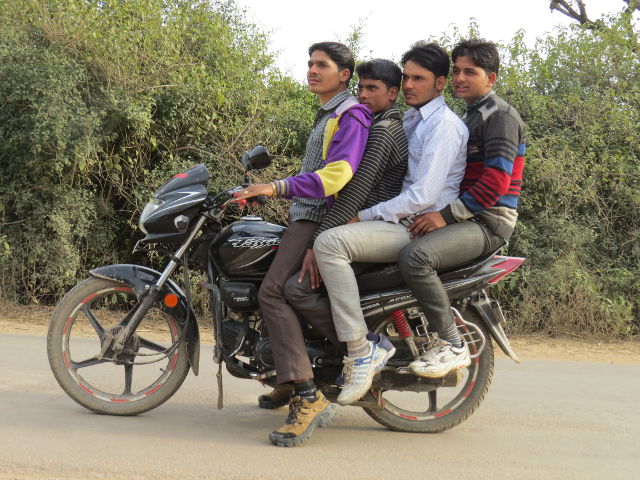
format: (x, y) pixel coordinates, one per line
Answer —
(148, 210)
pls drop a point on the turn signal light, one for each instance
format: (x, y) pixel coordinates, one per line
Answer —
(171, 300)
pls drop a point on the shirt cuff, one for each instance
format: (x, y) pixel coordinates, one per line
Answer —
(366, 215)
(282, 187)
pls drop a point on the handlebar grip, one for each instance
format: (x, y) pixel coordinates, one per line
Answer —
(260, 200)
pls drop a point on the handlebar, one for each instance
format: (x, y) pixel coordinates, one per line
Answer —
(260, 200)
(223, 199)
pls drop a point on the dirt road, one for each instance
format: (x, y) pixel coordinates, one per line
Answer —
(551, 418)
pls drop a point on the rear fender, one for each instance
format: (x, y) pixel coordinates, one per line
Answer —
(138, 277)
(492, 316)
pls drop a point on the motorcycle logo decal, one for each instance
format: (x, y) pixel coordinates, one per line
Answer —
(255, 242)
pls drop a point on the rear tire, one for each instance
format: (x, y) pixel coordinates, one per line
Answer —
(399, 411)
(77, 326)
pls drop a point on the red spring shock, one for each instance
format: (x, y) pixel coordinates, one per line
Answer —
(401, 324)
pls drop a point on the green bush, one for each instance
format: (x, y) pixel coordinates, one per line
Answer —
(103, 102)
(578, 92)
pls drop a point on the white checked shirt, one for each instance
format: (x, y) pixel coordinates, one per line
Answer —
(437, 160)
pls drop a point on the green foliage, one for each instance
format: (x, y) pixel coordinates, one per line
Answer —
(102, 101)
(578, 92)
(105, 100)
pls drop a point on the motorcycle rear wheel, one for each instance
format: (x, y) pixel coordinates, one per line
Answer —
(74, 339)
(444, 407)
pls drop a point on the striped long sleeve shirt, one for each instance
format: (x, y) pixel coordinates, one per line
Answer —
(380, 175)
(492, 181)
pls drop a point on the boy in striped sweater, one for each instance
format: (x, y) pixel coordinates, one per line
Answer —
(483, 216)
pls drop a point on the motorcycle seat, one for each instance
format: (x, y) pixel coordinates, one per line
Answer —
(383, 276)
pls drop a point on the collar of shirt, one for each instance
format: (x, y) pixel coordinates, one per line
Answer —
(391, 112)
(413, 117)
(336, 100)
(427, 110)
(479, 102)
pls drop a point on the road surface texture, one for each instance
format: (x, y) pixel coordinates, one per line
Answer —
(540, 420)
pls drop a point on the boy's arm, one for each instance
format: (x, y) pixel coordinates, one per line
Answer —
(343, 158)
(503, 150)
(354, 195)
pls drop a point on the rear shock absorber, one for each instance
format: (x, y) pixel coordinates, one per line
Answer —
(404, 330)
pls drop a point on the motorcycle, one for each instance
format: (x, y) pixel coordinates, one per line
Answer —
(130, 317)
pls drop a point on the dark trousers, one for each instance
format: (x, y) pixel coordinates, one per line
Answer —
(444, 248)
(287, 341)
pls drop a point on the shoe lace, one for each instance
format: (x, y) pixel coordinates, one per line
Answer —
(434, 348)
(294, 410)
(347, 370)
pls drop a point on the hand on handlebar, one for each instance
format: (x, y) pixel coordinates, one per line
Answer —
(252, 193)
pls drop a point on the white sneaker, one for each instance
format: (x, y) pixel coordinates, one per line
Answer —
(359, 372)
(441, 359)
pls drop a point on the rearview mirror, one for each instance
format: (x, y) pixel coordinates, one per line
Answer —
(256, 159)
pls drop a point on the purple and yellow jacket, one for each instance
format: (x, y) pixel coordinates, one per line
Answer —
(345, 138)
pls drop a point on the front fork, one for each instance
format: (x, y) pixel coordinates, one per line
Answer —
(152, 294)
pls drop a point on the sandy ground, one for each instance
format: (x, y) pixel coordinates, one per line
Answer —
(33, 320)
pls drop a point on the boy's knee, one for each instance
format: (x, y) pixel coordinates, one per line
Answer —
(269, 292)
(414, 257)
(322, 242)
(295, 292)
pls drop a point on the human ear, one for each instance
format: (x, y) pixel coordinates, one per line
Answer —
(491, 79)
(344, 75)
(393, 93)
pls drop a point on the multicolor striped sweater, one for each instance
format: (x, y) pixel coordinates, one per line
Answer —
(490, 189)
(345, 137)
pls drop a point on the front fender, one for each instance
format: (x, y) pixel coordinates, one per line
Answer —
(138, 277)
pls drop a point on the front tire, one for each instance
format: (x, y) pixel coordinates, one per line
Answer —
(443, 407)
(78, 325)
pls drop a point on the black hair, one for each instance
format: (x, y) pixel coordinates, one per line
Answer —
(483, 53)
(339, 53)
(430, 56)
(380, 69)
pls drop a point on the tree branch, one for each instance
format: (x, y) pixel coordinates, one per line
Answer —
(564, 7)
(633, 5)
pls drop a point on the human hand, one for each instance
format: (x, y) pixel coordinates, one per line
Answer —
(310, 265)
(355, 219)
(253, 191)
(425, 223)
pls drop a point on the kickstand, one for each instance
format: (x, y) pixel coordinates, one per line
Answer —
(220, 391)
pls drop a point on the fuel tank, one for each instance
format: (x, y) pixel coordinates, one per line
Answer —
(246, 248)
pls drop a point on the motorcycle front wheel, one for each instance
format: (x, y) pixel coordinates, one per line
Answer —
(136, 382)
(443, 407)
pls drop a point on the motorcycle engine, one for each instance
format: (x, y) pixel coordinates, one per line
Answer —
(232, 335)
(264, 355)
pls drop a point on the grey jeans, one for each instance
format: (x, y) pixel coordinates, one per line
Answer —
(419, 259)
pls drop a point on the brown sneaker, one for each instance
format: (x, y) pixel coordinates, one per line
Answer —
(278, 397)
(304, 417)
